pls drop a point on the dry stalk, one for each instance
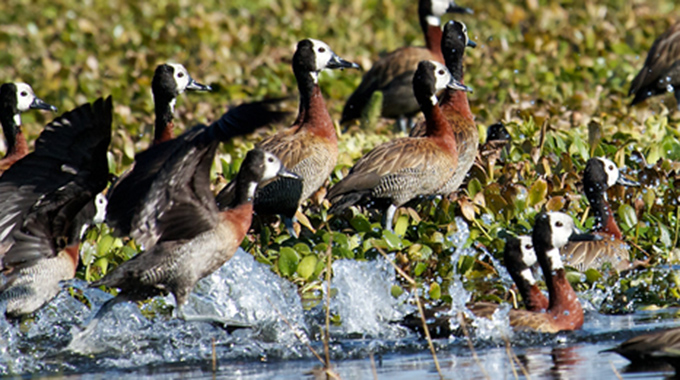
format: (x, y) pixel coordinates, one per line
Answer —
(618, 375)
(304, 341)
(214, 356)
(461, 319)
(415, 286)
(326, 335)
(514, 359)
(374, 370)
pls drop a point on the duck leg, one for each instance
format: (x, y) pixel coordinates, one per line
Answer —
(388, 217)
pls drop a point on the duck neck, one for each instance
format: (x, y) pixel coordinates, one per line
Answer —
(17, 147)
(313, 115)
(433, 38)
(456, 102)
(527, 288)
(535, 300)
(244, 192)
(604, 218)
(164, 109)
(562, 297)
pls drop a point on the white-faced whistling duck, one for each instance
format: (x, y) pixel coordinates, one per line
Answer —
(41, 197)
(661, 72)
(169, 81)
(309, 148)
(193, 237)
(455, 106)
(126, 194)
(552, 230)
(652, 348)
(402, 169)
(16, 98)
(599, 175)
(519, 258)
(392, 74)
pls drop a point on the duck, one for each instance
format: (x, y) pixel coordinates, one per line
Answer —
(124, 197)
(661, 71)
(169, 81)
(599, 175)
(653, 347)
(42, 197)
(455, 106)
(309, 148)
(193, 236)
(519, 258)
(392, 74)
(402, 169)
(16, 98)
(552, 231)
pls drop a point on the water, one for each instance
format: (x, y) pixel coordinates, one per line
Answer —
(128, 345)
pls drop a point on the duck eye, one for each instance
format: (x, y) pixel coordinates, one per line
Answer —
(23, 93)
(270, 159)
(559, 224)
(528, 246)
(441, 72)
(180, 75)
(322, 50)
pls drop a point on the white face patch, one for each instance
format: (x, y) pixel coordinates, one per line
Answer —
(172, 105)
(251, 189)
(25, 97)
(555, 260)
(433, 20)
(442, 76)
(526, 246)
(322, 54)
(272, 166)
(439, 8)
(100, 204)
(528, 276)
(611, 170)
(315, 76)
(181, 77)
(464, 29)
(17, 119)
(561, 226)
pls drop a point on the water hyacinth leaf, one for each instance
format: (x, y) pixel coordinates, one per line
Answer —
(401, 225)
(664, 235)
(105, 243)
(538, 192)
(592, 275)
(392, 240)
(474, 187)
(435, 291)
(627, 216)
(555, 203)
(302, 248)
(420, 268)
(307, 266)
(288, 261)
(360, 223)
(467, 209)
(396, 291)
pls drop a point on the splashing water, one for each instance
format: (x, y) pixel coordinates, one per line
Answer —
(363, 299)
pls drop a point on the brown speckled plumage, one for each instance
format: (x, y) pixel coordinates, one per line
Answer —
(455, 107)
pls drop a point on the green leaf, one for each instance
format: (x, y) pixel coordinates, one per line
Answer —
(627, 216)
(392, 240)
(288, 261)
(360, 223)
(307, 266)
(435, 291)
(419, 269)
(396, 291)
(538, 192)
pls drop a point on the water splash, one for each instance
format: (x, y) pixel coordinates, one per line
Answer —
(363, 299)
